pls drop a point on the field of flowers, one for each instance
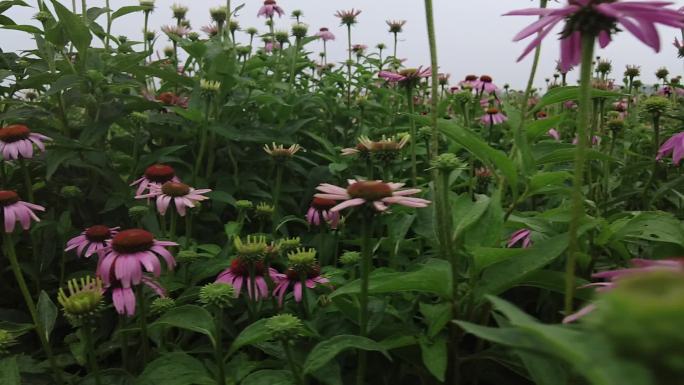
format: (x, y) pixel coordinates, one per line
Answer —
(180, 209)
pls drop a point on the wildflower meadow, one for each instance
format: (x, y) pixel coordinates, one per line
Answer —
(222, 204)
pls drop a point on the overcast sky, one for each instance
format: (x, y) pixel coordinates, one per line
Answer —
(472, 35)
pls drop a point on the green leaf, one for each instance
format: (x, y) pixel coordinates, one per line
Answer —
(25, 28)
(436, 316)
(327, 350)
(563, 94)
(189, 317)
(47, 314)
(435, 355)
(9, 371)
(540, 127)
(252, 334)
(480, 149)
(175, 369)
(126, 10)
(568, 155)
(542, 182)
(75, 28)
(506, 274)
(432, 277)
(269, 377)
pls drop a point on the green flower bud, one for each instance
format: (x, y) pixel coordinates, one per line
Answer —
(656, 105)
(244, 204)
(7, 340)
(252, 248)
(447, 162)
(83, 301)
(71, 192)
(148, 5)
(632, 71)
(264, 210)
(168, 51)
(179, 11)
(251, 31)
(289, 244)
(616, 125)
(284, 327)
(219, 14)
(193, 36)
(350, 257)
(210, 86)
(662, 73)
(299, 30)
(281, 37)
(302, 259)
(233, 26)
(138, 212)
(140, 117)
(217, 294)
(150, 35)
(161, 305)
(42, 16)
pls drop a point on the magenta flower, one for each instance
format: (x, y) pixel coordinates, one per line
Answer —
(269, 9)
(408, 77)
(155, 175)
(325, 34)
(319, 212)
(595, 140)
(128, 253)
(182, 196)
(674, 145)
(485, 84)
(17, 141)
(237, 275)
(640, 266)
(377, 194)
(522, 237)
(493, 116)
(292, 278)
(123, 298)
(270, 46)
(554, 134)
(91, 240)
(602, 17)
(470, 82)
(15, 210)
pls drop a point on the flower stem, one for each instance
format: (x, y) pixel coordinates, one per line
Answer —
(123, 342)
(109, 24)
(203, 141)
(293, 64)
(656, 146)
(412, 132)
(276, 196)
(291, 362)
(27, 180)
(144, 341)
(172, 225)
(577, 210)
(92, 356)
(366, 266)
(220, 364)
(16, 269)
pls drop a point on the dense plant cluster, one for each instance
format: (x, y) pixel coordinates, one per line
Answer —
(178, 208)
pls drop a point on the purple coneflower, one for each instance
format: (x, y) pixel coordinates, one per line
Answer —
(348, 18)
(182, 196)
(554, 134)
(319, 212)
(123, 298)
(211, 30)
(176, 30)
(639, 266)
(600, 18)
(15, 210)
(269, 9)
(325, 34)
(485, 84)
(675, 146)
(17, 141)
(293, 278)
(407, 77)
(522, 237)
(595, 140)
(237, 275)
(396, 26)
(128, 253)
(155, 175)
(493, 116)
(469, 82)
(376, 193)
(91, 240)
(680, 48)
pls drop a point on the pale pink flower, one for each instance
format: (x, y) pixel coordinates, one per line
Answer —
(91, 240)
(493, 116)
(269, 9)
(522, 237)
(638, 17)
(469, 82)
(16, 141)
(595, 140)
(237, 275)
(123, 298)
(211, 30)
(325, 34)
(155, 176)
(319, 212)
(176, 30)
(377, 194)
(292, 278)
(15, 210)
(675, 146)
(407, 76)
(128, 253)
(181, 195)
(271, 46)
(348, 17)
(485, 84)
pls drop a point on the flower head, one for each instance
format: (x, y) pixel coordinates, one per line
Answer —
(15, 210)
(348, 17)
(632, 71)
(303, 269)
(91, 240)
(554, 134)
(598, 18)
(16, 141)
(284, 327)
(179, 11)
(181, 195)
(325, 34)
(123, 297)
(280, 152)
(155, 176)
(674, 146)
(522, 237)
(211, 30)
(319, 212)
(408, 77)
(493, 116)
(485, 84)
(218, 14)
(217, 294)
(299, 30)
(376, 194)
(252, 248)
(238, 276)
(396, 26)
(269, 9)
(680, 48)
(83, 300)
(175, 30)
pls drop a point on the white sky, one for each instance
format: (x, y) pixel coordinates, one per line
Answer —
(472, 35)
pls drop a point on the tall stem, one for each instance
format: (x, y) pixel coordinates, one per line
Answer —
(109, 25)
(84, 10)
(144, 341)
(366, 266)
(412, 121)
(293, 64)
(90, 346)
(221, 372)
(203, 141)
(577, 212)
(349, 63)
(296, 373)
(276, 196)
(27, 180)
(394, 65)
(19, 276)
